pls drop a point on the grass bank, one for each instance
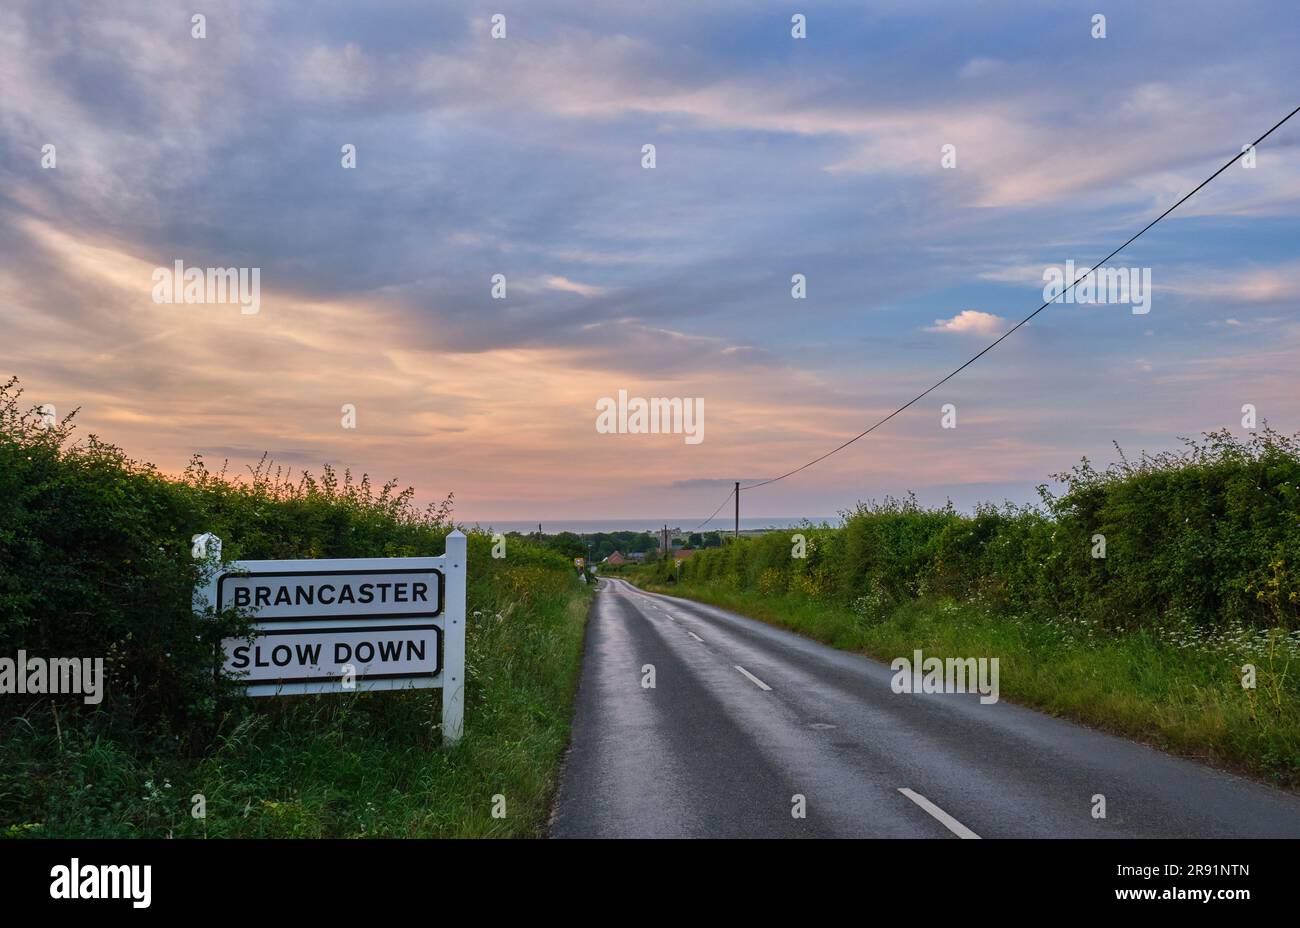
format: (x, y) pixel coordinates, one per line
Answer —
(342, 765)
(1182, 693)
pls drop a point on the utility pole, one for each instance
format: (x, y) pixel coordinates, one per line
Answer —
(737, 510)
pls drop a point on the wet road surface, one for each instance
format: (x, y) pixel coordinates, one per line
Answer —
(747, 725)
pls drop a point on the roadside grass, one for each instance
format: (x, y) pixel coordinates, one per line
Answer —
(330, 766)
(1173, 691)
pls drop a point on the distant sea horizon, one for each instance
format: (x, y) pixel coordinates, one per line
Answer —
(652, 525)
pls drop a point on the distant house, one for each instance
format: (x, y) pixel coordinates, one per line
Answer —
(615, 558)
(637, 556)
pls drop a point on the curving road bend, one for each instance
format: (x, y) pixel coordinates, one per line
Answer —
(747, 725)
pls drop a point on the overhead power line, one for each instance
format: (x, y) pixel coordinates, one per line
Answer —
(1006, 334)
(715, 512)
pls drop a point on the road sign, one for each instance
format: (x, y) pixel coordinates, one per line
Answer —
(334, 625)
(294, 655)
(578, 562)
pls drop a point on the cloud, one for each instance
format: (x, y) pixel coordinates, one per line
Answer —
(979, 67)
(555, 282)
(633, 345)
(1256, 284)
(1017, 273)
(521, 157)
(970, 322)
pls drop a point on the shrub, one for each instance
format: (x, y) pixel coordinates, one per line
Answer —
(95, 561)
(1207, 535)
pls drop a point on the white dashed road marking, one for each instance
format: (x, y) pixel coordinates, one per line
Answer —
(753, 679)
(944, 818)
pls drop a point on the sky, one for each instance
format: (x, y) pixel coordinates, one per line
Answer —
(523, 156)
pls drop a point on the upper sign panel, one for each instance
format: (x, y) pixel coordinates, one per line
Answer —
(282, 596)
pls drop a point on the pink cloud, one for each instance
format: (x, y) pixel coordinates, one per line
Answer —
(970, 322)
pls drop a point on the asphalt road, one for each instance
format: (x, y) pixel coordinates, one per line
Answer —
(743, 718)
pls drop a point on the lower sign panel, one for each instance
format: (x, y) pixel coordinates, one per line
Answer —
(333, 655)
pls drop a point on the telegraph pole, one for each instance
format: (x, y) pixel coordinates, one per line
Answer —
(737, 510)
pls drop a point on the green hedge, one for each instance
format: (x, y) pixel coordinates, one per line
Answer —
(95, 561)
(1208, 536)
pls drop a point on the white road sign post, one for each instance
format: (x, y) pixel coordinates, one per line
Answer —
(340, 624)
